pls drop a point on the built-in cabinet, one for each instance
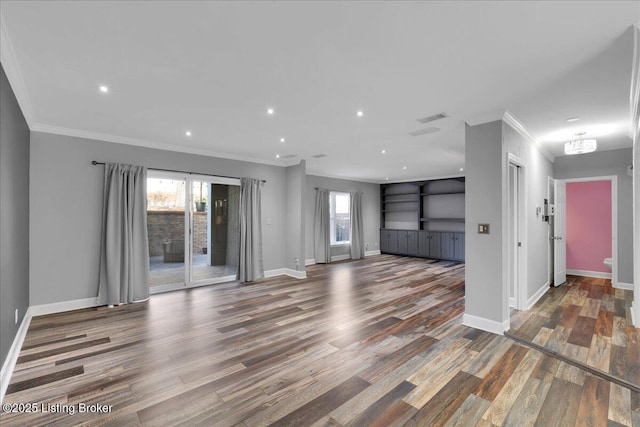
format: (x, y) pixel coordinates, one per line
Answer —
(423, 219)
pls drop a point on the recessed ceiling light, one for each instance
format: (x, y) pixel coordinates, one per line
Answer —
(461, 169)
(404, 168)
(573, 119)
(104, 89)
(270, 111)
(360, 113)
(277, 156)
(386, 179)
(384, 151)
(281, 139)
(188, 133)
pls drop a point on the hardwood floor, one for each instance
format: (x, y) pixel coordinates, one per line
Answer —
(375, 342)
(586, 320)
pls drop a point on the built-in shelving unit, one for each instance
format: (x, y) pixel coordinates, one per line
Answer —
(423, 218)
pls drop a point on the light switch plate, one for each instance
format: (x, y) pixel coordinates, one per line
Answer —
(483, 228)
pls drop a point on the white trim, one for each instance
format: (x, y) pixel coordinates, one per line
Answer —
(10, 65)
(614, 217)
(309, 261)
(371, 253)
(78, 133)
(340, 257)
(539, 293)
(295, 273)
(517, 125)
(160, 289)
(275, 272)
(587, 273)
(12, 357)
(625, 286)
(522, 286)
(59, 307)
(425, 178)
(485, 324)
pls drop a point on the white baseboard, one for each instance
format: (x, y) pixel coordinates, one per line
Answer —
(623, 285)
(59, 307)
(310, 261)
(286, 272)
(587, 273)
(632, 311)
(295, 273)
(539, 293)
(371, 253)
(10, 362)
(340, 257)
(485, 324)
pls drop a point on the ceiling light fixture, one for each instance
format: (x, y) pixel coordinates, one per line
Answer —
(404, 168)
(281, 139)
(461, 169)
(188, 133)
(360, 113)
(573, 119)
(104, 89)
(270, 111)
(386, 179)
(384, 151)
(580, 146)
(277, 156)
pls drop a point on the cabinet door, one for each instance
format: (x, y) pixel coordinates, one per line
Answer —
(448, 242)
(423, 243)
(435, 244)
(402, 242)
(412, 243)
(458, 247)
(389, 241)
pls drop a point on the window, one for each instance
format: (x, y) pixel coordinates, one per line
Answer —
(340, 221)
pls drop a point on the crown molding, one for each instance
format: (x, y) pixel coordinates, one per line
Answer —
(10, 65)
(489, 117)
(148, 144)
(517, 125)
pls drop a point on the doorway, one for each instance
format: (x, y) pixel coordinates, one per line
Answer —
(516, 276)
(193, 229)
(588, 223)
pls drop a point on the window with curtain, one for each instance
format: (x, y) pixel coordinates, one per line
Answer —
(340, 223)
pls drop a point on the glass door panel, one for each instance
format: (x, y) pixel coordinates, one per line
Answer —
(166, 230)
(215, 232)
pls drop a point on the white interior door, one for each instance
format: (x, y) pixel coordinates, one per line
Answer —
(559, 235)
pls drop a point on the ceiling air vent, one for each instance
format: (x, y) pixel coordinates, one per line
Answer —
(433, 118)
(423, 131)
(288, 156)
(319, 156)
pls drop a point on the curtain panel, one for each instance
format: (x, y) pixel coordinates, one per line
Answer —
(321, 230)
(251, 264)
(357, 229)
(124, 258)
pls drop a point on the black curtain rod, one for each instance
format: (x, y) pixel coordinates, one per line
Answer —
(338, 191)
(190, 173)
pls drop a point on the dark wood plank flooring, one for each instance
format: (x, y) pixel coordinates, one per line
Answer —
(375, 342)
(586, 320)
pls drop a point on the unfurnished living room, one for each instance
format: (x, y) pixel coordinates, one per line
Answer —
(319, 213)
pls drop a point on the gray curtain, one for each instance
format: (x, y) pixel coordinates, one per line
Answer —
(357, 230)
(251, 266)
(321, 231)
(124, 258)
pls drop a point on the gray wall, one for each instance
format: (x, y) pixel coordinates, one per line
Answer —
(14, 216)
(370, 210)
(602, 163)
(66, 208)
(484, 292)
(295, 219)
(538, 169)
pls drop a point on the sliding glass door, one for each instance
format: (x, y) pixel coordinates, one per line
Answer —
(193, 225)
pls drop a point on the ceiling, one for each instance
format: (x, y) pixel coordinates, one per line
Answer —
(214, 68)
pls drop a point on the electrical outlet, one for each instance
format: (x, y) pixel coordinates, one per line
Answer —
(296, 261)
(366, 246)
(16, 317)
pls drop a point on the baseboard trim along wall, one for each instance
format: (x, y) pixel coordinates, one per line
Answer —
(539, 293)
(59, 307)
(371, 253)
(10, 362)
(286, 272)
(485, 324)
(310, 261)
(587, 273)
(625, 286)
(340, 257)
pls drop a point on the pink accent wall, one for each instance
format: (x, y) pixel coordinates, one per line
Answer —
(588, 225)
